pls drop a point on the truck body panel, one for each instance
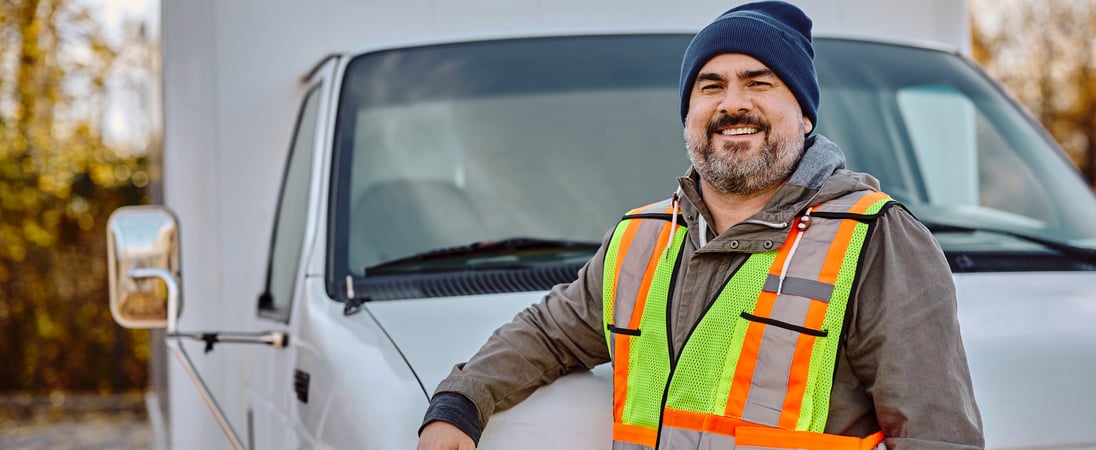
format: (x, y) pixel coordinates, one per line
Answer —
(236, 75)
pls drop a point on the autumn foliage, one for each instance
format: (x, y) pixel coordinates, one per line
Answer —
(1043, 52)
(59, 181)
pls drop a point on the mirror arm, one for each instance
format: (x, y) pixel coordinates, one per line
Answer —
(275, 339)
(172, 291)
(173, 338)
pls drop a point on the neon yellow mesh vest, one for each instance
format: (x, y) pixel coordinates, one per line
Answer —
(756, 371)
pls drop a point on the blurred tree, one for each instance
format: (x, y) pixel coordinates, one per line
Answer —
(59, 181)
(1043, 52)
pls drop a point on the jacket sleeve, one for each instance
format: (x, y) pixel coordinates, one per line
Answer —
(903, 342)
(560, 334)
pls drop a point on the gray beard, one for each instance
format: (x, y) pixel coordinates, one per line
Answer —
(774, 164)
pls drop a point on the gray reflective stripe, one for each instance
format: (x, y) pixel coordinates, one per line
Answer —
(634, 265)
(800, 286)
(632, 269)
(675, 438)
(770, 378)
(843, 203)
(617, 445)
(656, 207)
(769, 385)
(813, 248)
(716, 441)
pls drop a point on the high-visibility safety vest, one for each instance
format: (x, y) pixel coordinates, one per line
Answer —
(757, 368)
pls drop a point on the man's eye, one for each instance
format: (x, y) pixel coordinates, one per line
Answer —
(760, 83)
(709, 87)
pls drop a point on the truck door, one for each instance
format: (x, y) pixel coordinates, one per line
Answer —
(277, 390)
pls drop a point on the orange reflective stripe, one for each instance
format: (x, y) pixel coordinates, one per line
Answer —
(866, 201)
(635, 434)
(831, 268)
(835, 256)
(625, 245)
(696, 421)
(652, 266)
(748, 434)
(620, 365)
(623, 342)
(872, 440)
(752, 436)
(620, 375)
(747, 359)
(801, 366)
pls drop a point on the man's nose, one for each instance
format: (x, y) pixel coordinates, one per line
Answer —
(735, 101)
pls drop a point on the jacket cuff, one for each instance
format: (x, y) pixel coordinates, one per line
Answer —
(454, 409)
(472, 390)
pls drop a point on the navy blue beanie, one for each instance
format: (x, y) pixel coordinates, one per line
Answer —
(776, 33)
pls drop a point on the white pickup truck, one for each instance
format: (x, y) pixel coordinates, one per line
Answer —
(465, 158)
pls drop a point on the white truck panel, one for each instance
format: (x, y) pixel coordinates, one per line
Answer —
(232, 79)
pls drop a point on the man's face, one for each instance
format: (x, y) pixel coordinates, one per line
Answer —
(744, 131)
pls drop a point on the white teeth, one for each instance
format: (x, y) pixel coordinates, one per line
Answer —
(738, 131)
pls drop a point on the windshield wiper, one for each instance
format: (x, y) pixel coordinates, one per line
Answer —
(1085, 254)
(488, 248)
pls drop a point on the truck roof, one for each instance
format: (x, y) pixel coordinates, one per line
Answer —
(392, 26)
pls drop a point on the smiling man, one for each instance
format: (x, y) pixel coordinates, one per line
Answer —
(776, 300)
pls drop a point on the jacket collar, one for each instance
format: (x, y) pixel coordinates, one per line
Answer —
(820, 176)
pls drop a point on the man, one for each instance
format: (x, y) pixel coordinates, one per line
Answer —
(776, 301)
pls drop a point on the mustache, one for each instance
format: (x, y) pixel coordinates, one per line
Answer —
(724, 121)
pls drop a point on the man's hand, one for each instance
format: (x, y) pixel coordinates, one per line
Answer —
(440, 435)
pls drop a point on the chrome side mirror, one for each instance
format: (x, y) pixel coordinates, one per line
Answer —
(143, 264)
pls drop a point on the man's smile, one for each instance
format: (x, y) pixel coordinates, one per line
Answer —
(739, 130)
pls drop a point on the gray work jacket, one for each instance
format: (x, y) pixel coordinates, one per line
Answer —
(901, 368)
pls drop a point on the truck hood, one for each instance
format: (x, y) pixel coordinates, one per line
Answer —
(1030, 341)
(434, 334)
(1031, 345)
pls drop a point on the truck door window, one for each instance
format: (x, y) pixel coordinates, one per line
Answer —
(287, 241)
(944, 141)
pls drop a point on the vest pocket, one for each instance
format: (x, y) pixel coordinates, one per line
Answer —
(625, 331)
(784, 325)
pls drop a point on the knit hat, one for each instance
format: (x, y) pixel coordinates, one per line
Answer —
(776, 33)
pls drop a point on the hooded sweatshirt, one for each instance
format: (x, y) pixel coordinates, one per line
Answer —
(901, 367)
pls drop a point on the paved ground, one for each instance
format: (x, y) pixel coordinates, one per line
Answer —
(74, 423)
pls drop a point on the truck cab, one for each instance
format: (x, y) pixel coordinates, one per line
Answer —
(434, 187)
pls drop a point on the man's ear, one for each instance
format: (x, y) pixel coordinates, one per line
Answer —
(807, 126)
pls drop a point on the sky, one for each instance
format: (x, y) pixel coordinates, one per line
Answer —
(114, 12)
(124, 130)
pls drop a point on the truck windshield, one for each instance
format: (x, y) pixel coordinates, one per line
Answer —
(554, 138)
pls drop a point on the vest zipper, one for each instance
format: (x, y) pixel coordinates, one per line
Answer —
(669, 334)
